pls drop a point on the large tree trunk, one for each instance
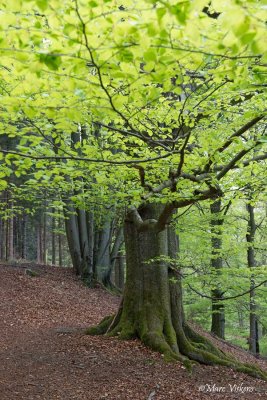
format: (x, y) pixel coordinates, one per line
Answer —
(152, 307)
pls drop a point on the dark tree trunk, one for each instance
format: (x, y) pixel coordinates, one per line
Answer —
(38, 243)
(1, 238)
(44, 234)
(72, 232)
(60, 258)
(53, 238)
(85, 248)
(253, 322)
(152, 308)
(24, 237)
(218, 314)
(11, 236)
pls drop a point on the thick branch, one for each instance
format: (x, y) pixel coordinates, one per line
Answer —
(164, 218)
(140, 224)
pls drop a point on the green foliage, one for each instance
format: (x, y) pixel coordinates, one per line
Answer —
(234, 278)
(263, 345)
(159, 88)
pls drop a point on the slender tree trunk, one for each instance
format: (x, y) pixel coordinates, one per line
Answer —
(1, 239)
(44, 246)
(109, 254)
(24, 238)
(38, 244)
(72, 231)
(7, 239)
(240, 319)
(218, 313)
(91, 230)
(53, 238)
(253, 322)
(11, 239)
(60, 261)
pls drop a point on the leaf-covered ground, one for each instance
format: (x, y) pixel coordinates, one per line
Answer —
(45, 354)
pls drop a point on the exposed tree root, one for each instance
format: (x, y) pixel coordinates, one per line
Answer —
(189, 347)
(101, 328)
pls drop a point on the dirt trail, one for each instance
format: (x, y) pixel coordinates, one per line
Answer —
(45, 355)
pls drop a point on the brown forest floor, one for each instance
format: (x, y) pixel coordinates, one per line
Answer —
(45, 355)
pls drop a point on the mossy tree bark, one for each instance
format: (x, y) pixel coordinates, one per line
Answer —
(152, 308)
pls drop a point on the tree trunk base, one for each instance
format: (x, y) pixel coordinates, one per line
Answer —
(188, 346)
(152, 306)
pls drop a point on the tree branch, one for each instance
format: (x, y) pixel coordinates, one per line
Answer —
(260, 157)
(236, 134)
(85, 159)
(233, 162)
(225, 298)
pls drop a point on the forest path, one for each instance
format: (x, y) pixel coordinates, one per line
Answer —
(45, 355)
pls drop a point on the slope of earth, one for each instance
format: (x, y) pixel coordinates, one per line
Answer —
(45, 355)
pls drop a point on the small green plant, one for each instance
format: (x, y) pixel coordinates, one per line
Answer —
(31, 273)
